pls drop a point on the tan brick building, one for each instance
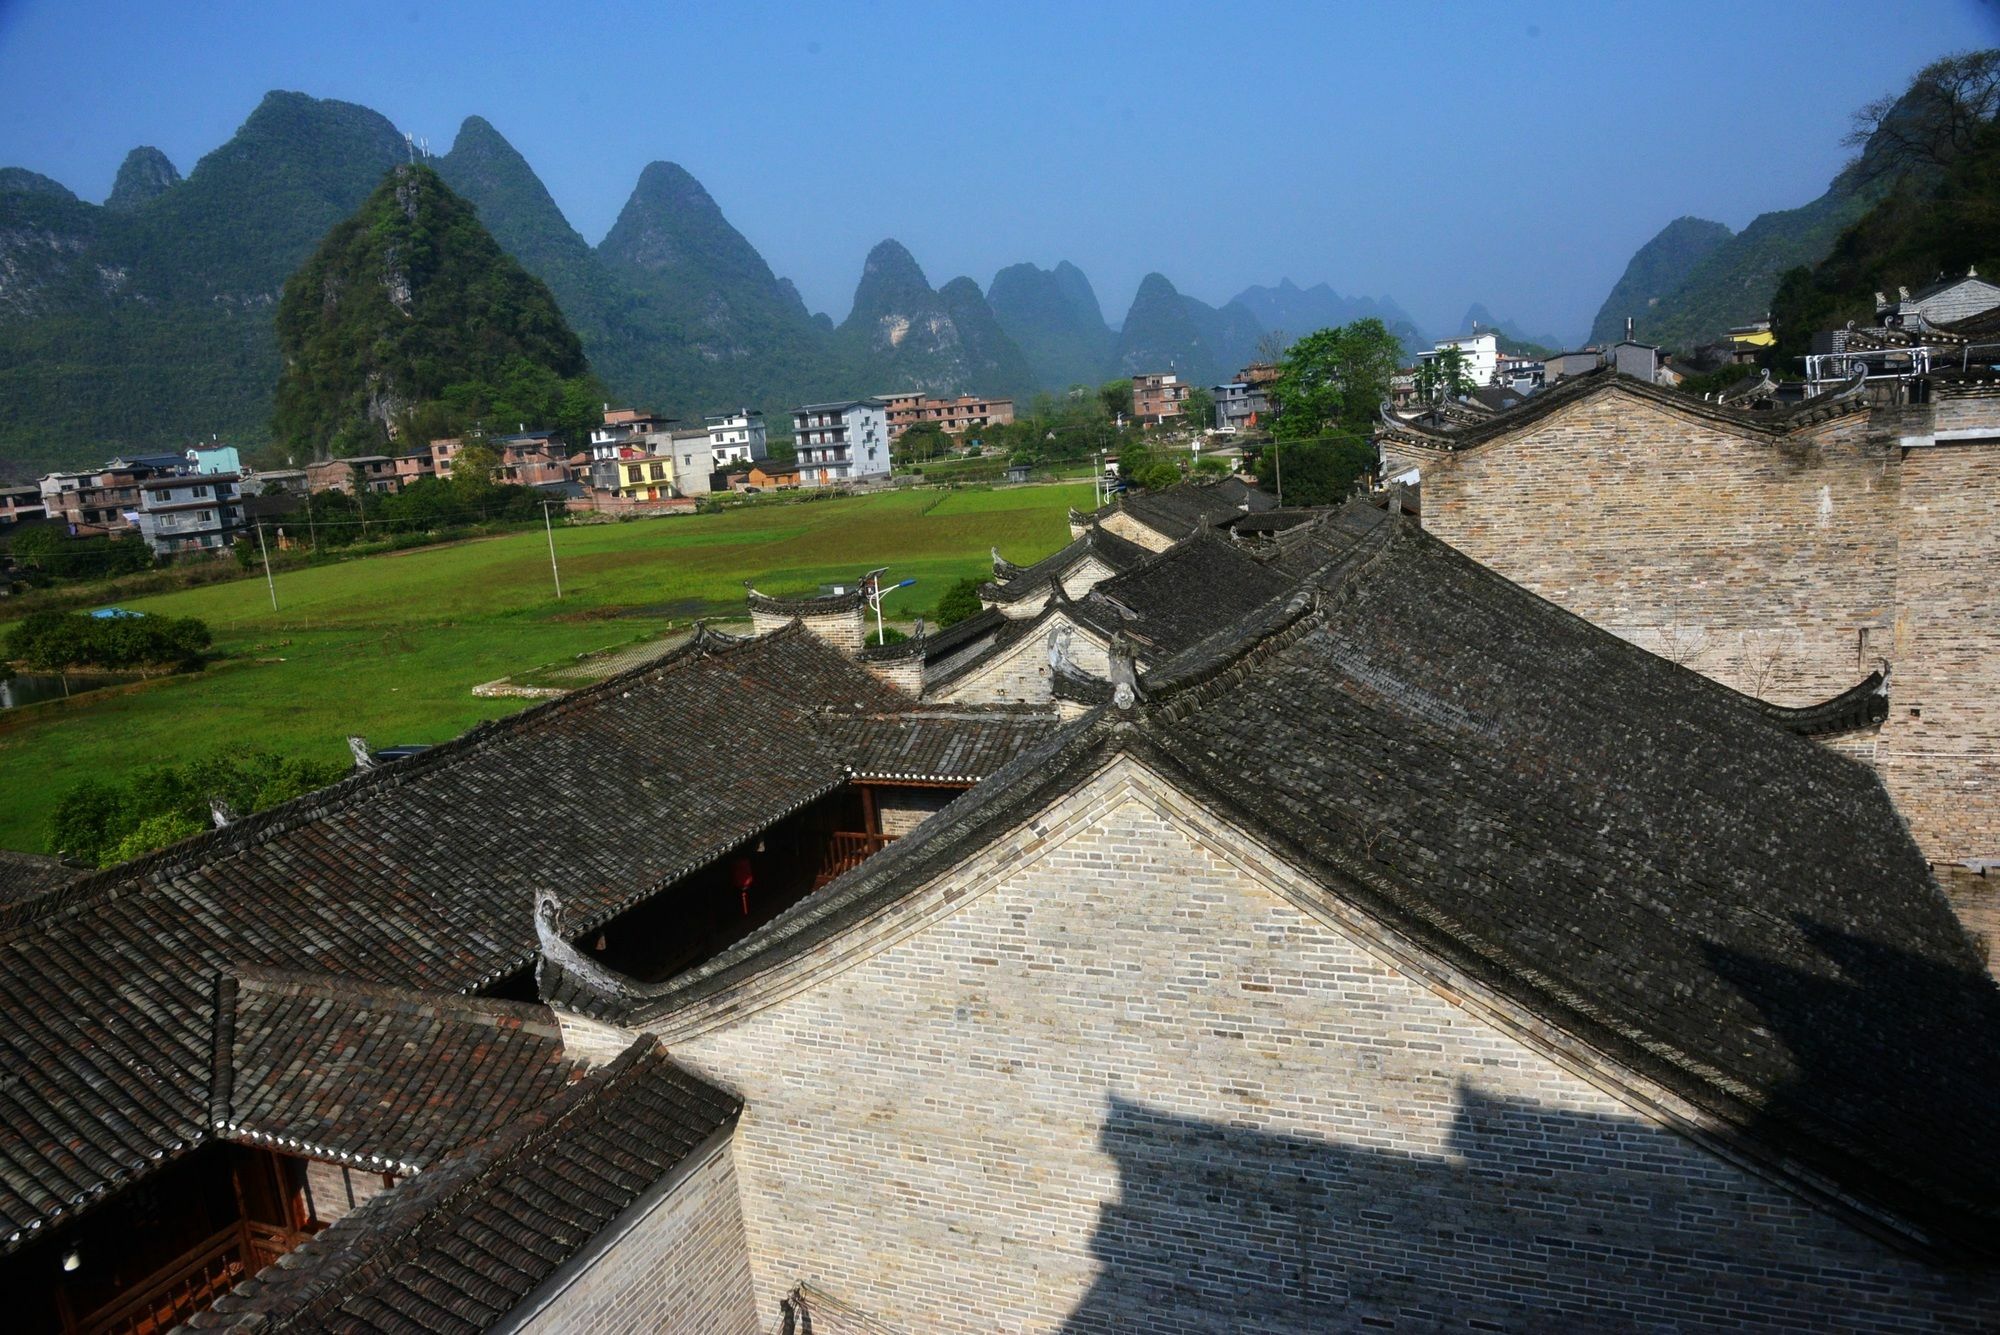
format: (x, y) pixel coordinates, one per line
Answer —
(1787, 553)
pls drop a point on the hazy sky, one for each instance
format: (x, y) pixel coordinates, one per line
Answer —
(1441, 154)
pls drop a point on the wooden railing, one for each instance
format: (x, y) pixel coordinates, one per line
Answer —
(190, 1284)
(848, 848)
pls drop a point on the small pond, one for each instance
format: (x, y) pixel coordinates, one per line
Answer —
(29, 688)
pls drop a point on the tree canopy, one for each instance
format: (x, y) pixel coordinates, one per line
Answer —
(1334, 379)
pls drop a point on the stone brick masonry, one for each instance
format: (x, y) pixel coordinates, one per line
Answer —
(683, 1267)
(1769, 565)
(1126, 1070)
(1788, 568)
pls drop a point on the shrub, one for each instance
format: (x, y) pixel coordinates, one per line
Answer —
(960, 601)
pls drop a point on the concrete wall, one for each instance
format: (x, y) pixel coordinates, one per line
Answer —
(684, 1266)
(1133, 1075)
(1770, 566)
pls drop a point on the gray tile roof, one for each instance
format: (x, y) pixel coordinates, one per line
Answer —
(418, 874)
(1685, 889)
(459, 1246)
(379, 1077)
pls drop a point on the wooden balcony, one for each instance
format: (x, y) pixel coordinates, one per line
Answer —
(846, 849)
(176, 1292)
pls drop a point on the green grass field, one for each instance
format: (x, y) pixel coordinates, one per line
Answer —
(389, 647)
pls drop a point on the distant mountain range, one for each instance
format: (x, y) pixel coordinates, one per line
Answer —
(147, 321)
(1695, 279)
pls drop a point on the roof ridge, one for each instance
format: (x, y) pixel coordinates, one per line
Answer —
(107, 884)
(1844, 398)
(340, 987)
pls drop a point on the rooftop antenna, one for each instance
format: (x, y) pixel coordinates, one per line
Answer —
(409, 146)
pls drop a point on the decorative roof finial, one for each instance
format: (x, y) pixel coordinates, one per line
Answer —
(219, 812)
(1123, 671)
(359, 746)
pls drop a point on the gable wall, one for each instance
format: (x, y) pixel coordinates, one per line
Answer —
(1130, 529)
(683, 1266)
(1757, 562)
(1124, 1084)
(1939, 751)
(1020, 673)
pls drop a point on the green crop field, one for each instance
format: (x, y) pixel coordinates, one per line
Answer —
(389, 647)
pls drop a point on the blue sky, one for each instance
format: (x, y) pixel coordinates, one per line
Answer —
(1441, 154)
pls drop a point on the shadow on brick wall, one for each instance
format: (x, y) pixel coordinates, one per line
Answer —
(1537, 1218)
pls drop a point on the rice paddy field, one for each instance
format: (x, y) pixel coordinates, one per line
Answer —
(389, 647)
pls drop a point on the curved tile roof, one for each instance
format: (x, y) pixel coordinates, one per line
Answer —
(1684, 888)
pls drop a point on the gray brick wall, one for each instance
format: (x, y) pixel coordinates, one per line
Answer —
(1133, 1075)
(684, 1267)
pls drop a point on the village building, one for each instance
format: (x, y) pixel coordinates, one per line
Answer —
(1157, 520)
(1787, 551)
(355, 473)
(691, 460)
(189, 513)
(1156, 396)
(21, 503)
(1361, 940)
(841, 442)
(103, 501)
(955, 416)
(736, 437)
(1480, 353)
(648, 477)
(768, 475)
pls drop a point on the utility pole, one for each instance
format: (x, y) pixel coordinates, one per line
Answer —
(554, 569)
(1278, 466)
(312, 529)
(269, 583)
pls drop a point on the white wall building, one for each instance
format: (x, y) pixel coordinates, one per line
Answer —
(841, 442)
(1481, 352)
(736, 437)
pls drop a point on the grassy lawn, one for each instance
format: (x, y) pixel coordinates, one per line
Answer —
(389, 647)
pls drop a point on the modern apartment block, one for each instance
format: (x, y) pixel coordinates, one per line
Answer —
(841, 442)
(104, 500)
(1157, 396)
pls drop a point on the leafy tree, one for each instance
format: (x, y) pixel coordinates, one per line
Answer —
(1933, 122)
(472, 467)
(1116, 396)
(1334, 378)
(1144, 466)
(36, 545)
(960, 601)
(1321, 471)
(923, 442)
(107, 823)
(1198, 409)
(1211, 467)
(54, 641)
(1443, 377)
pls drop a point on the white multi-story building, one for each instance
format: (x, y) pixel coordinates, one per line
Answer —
(1481, 353)
(841, 442)
(737, 437)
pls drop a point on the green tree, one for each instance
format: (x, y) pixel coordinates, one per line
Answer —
(1443, 377)
(36, 545)
(1198, 409)
(1116, 396)
(472, 467)
(1335, 378)
(1144, 466)
(960, 601)
(1322, 471)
